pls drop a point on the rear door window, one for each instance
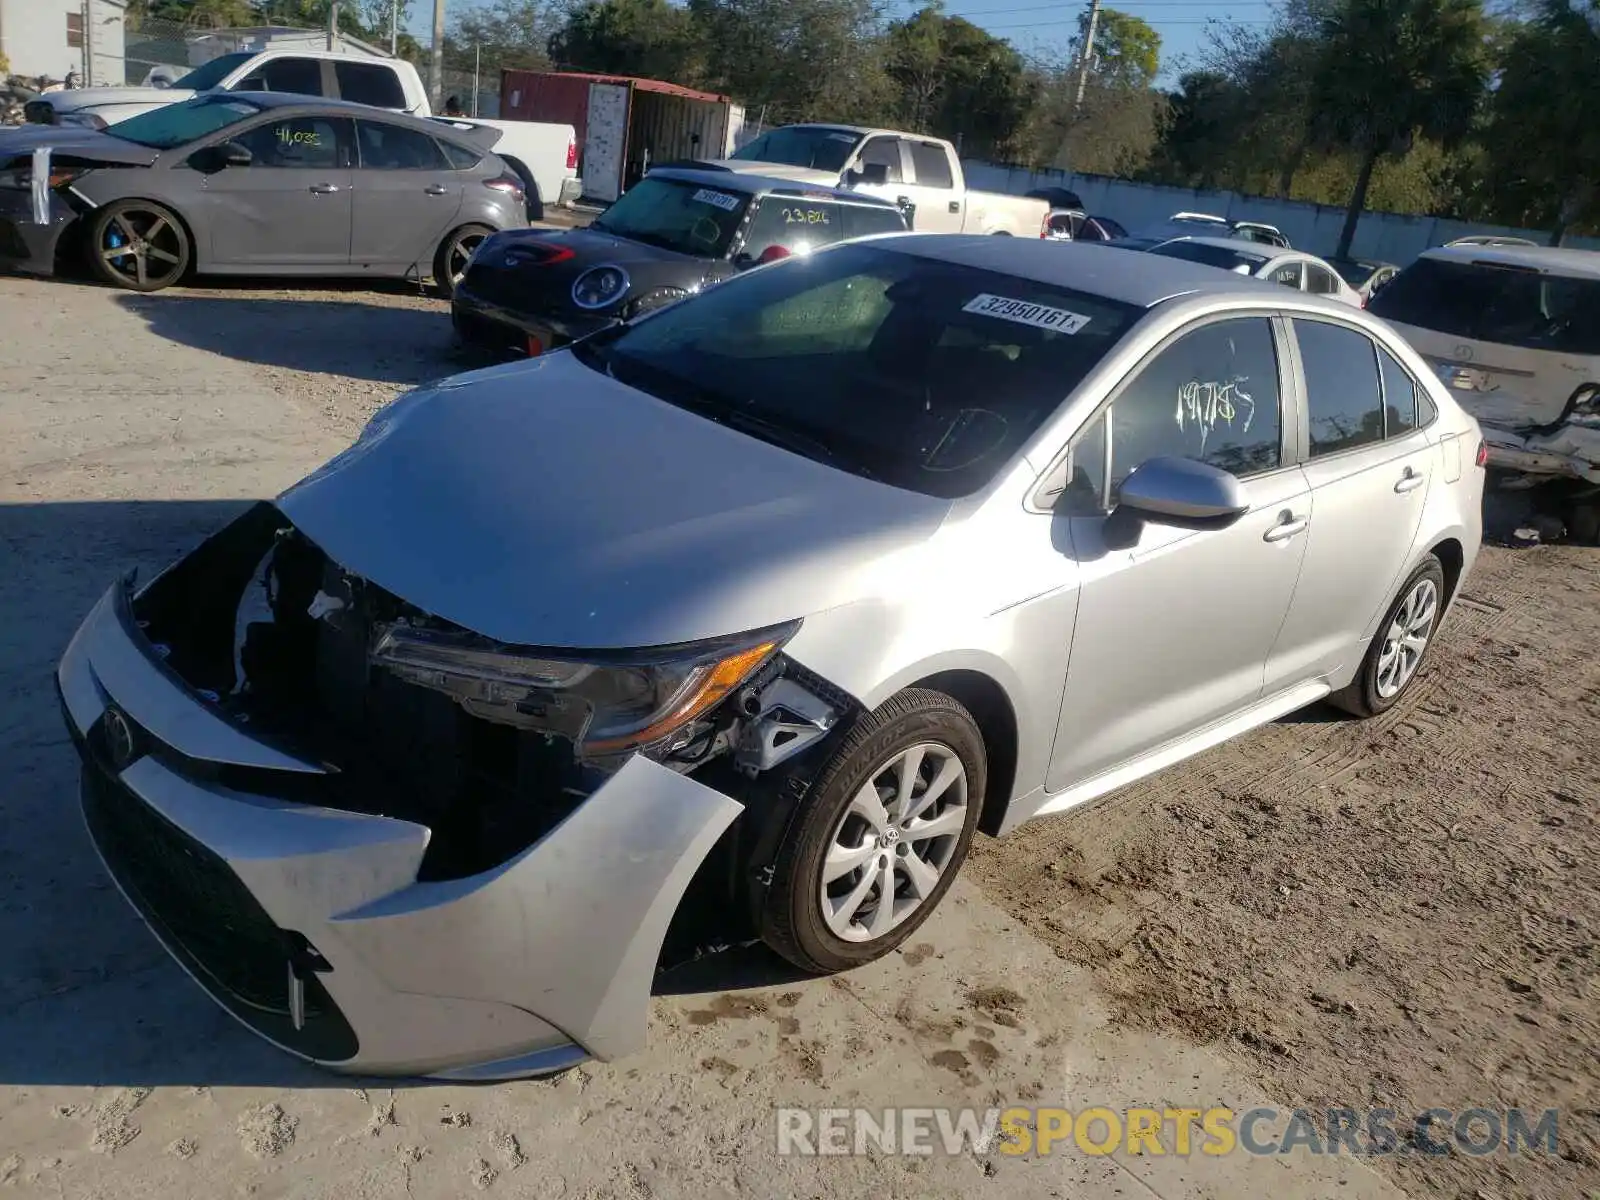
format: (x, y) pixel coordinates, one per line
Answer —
(794, 223)
(1506, 305)
(1320, 282)
(1344, 398)
(387, 147)
(931, 162)
(861, 220)
(369, 83)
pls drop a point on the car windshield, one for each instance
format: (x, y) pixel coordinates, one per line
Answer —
(1354, 273)
(1506, 305)
(808, 146)
(923, 374)
(676, 214)
(207, 76)
(1228, 259)
(179, 124)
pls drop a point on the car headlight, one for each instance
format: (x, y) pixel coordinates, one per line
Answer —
(85, 120)
(20, 179)
(608, 704)
(599, 287)
(653, 299)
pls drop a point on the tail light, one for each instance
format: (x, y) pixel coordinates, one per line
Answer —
(509, 185)
(572, 154)
(1044, 228)
(1482, 459)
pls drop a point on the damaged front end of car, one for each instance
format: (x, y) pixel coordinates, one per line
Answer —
(1558, 460)
(391, 845)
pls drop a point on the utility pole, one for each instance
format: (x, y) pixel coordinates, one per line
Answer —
(394, 30)
(88, 43)
(436, 67)
(333, 23)
(1086, 54)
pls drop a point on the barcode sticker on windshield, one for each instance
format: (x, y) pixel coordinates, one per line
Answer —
(1040, 316)
(721, 199)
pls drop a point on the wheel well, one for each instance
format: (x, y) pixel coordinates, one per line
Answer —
(1452, 558)
(535, 200)
(986, 700)
(79, 230)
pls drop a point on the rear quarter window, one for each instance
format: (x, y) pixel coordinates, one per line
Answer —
(461, 157)
(860, 220)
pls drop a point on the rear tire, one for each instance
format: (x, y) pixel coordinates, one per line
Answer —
(1394, 658)
(450, 262)
(855, 875)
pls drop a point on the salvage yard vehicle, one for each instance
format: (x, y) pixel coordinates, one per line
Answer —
(763, 604)
(1205, 224)
(543, 154)
(1278, 264)
(262, 184)
(924, 172)
(1514, 331)
(1365, 275)
(389, 83)
(673, 234)
(1075, 225)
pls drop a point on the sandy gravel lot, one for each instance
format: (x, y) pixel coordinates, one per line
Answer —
(1401, 912)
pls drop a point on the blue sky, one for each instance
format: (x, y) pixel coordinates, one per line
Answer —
(1038, 28)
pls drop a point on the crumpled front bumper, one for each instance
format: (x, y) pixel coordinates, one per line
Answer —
(310, 925)
(1570, 451)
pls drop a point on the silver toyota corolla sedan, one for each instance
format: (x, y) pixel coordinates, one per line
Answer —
(768, 600)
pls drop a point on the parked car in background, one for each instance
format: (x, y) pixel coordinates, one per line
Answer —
(923, 171)
(1293, 268)
(1514, 331)
(544, 156)
(1491, 239)
(1075, 225)
(673, 234)
(389, 83)
(1191, 224)
(1365, 275)
(1057, 197)
(255, 184)
(775, 598)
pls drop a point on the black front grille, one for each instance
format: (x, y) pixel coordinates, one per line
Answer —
(208, 918)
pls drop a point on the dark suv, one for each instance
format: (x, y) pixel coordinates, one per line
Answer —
(674, 233)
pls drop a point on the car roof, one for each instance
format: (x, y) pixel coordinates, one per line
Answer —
(1144, 280)
(740, 181)
(272, 101)
(1264, 249)
(1559, 260)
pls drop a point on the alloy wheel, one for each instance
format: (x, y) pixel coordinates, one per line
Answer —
(1407, 638)
(461, 251)
(893, 843)
(142, 248)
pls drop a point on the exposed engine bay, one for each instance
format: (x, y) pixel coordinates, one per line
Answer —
(490, 747)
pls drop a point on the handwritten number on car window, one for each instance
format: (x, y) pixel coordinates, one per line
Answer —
(805, 216)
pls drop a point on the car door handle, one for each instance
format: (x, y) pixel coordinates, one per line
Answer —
(955, 206)
(1409, 481)
(1286, 528)
(436, 189)
(324, 189)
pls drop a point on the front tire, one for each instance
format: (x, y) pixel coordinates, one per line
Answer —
(139, 245)
(450, 261)
(1395, 656)
(879, 841)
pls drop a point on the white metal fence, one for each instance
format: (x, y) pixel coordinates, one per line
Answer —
(1388, 237)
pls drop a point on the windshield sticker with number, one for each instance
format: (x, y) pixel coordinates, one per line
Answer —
(720, 200)
(1040, 316)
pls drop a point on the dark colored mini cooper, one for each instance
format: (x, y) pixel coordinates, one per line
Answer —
(673, 234)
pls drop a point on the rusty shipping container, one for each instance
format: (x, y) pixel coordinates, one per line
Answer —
(624, 124)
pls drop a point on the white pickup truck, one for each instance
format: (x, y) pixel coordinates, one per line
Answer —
(903, 167)
(390, 83)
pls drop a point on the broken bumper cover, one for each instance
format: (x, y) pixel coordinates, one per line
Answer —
(309, 924)
(24, 244)
(1569, 452)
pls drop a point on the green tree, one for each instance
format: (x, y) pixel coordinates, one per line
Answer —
(1199, 141)
(651, 38)
(1390, 71)
(959, 82)
(1542, 139)
(501, 34)
(1126, 49)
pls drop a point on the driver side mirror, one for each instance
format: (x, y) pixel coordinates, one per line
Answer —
(216, 158)
(874, 174)
(1181, 492)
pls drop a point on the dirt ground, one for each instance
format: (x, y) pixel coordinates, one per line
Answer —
(1401, 912)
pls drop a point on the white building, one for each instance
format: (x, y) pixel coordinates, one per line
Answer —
(54, 37)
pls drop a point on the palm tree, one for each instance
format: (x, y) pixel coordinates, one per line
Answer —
(1390, 71)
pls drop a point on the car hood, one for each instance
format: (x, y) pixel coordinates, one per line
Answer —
(73, 99)
(541, 503)
(69, 143)
(592, 247)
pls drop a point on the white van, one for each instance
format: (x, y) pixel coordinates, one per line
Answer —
(1515, 331)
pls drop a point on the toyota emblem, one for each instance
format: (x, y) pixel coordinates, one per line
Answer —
(120, 743)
